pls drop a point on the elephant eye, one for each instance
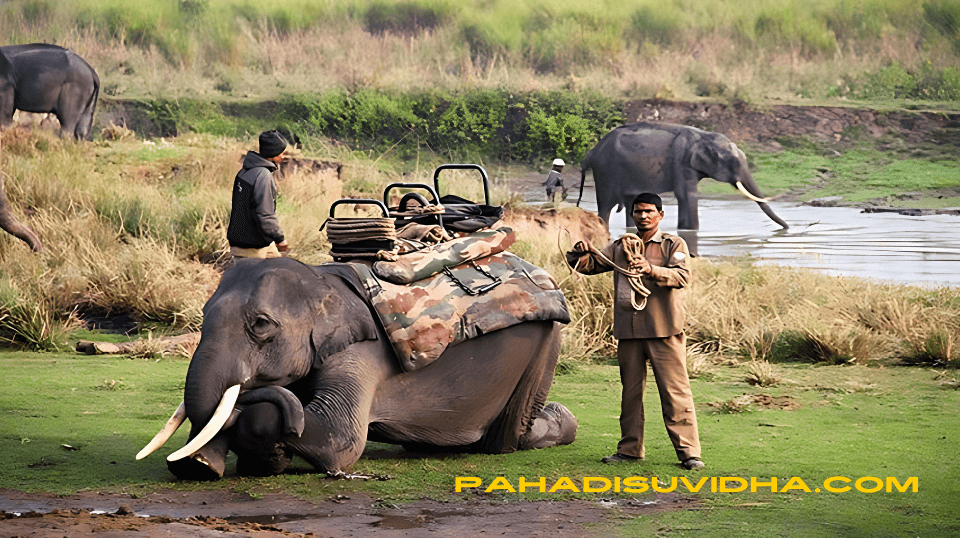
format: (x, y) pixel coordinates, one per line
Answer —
(262, 327)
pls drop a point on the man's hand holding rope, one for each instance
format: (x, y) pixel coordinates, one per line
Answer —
(636, 268)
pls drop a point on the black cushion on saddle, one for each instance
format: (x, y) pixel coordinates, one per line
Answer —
(462, 215)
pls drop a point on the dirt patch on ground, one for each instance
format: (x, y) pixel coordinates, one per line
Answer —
(218, 513)
(742, 403)
(783, 403)
(545, 221)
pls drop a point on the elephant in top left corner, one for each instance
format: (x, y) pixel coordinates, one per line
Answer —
(45, 78)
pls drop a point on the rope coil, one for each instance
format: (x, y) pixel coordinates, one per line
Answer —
(362, 238)
(633, 248)
(342, 231)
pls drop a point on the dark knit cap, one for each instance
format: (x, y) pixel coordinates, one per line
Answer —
(648, 198)
(271, 144)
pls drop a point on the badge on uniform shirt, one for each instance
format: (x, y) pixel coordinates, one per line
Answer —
(679, 256)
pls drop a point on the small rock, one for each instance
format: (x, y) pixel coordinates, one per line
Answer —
(125, 510)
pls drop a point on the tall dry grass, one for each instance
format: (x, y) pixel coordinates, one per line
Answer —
(771, 313)
(129, 227)
(757, 49)
(138, 227)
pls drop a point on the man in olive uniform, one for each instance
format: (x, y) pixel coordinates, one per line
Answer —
(653, 334)
(253, 231)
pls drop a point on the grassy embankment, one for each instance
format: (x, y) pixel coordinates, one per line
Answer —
(755, 51)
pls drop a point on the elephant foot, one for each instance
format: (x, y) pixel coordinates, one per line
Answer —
(555, 425)
(196, 468)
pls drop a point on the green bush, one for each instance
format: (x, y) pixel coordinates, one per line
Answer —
(938, 84)
(472, 119)
(894, 82)
(405, 18)
(491, 122)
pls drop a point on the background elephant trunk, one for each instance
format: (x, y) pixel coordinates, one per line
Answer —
(773, 216)
(11, 225)
(751, 186)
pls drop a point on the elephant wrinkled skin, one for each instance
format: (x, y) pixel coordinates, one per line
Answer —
(46, 78)
(317, 378)
(661, 157)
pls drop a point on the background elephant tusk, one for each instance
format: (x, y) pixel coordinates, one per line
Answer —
(219, 418)
(166, 433)
(750, 196)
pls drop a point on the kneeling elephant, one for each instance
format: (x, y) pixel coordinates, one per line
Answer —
(292, 362)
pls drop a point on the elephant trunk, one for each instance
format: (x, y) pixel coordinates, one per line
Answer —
(207, 381)
(773, 216)
(14, 227)
(290, 407)
(749, 189)
(212, 399)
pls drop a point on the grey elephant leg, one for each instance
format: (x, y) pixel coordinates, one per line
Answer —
(68, 122)
(691, 239)
(526, 403)
(688, 217)
(604, 213)
(555, 425)
(6, 111)
(208, 463)
(258, 441)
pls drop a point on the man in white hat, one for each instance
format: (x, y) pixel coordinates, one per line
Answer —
(554, 182)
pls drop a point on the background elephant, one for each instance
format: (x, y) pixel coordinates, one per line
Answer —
(312, 374)
(45, 78)
(659, 158)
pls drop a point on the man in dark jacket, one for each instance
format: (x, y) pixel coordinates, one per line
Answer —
(554, 182)
(254, 231)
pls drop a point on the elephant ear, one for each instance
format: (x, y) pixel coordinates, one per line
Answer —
(341, 321)
(704, 157)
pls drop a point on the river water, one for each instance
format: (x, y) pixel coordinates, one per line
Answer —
(922, 250)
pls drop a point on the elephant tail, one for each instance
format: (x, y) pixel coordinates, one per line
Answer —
(584, 166)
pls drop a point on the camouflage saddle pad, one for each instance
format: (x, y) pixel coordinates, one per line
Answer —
(424, 317)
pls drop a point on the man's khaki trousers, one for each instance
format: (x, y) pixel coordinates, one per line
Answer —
(667, 357)
(269, 251)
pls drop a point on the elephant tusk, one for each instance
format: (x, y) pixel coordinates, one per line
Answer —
(750, 196)
(164, 434)
(219, 418)
(234, 415)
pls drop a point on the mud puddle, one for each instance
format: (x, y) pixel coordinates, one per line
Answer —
(219, 513)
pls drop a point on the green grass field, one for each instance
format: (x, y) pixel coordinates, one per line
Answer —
(850, 421)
